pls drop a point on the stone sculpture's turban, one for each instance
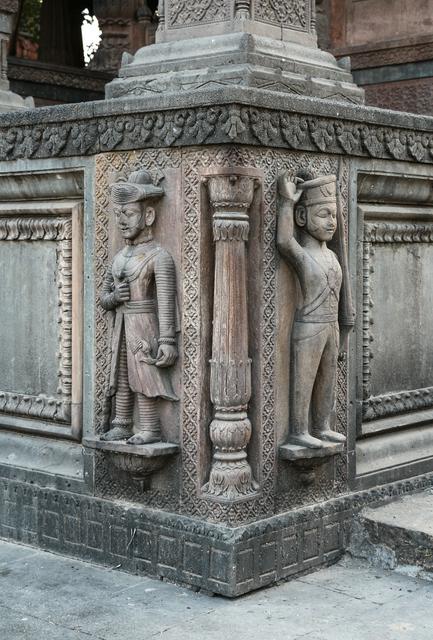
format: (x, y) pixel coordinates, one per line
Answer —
(138, 187)
(320, 190)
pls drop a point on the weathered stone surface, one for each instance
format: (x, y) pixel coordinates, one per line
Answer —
(215, 117)
(185, 550)
(398, 535)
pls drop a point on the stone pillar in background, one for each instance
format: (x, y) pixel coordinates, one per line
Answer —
(9, 101)
(262, 44)
(231, 193)
(126, 25)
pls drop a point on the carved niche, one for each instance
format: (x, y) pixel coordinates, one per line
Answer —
(139, 292)
(397, 255)
(40, 315)
(308, 219)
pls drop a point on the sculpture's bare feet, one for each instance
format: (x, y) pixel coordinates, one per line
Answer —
(305, 440)
(116, 433)
(145, 437)
(330, 436)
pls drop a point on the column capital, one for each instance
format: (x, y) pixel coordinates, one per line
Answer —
(231, 192)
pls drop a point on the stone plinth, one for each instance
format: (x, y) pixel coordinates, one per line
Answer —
(263, 44)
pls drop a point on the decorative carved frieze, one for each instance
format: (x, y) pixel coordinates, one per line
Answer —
(393, 403)
(215, 125)
(231, 193)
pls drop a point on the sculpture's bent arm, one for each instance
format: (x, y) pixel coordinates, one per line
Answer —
(165, 278)
(287, 245)
(107, 299)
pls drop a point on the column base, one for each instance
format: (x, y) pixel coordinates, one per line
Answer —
(231, 478)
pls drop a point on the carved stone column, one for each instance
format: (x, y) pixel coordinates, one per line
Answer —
(231, 193)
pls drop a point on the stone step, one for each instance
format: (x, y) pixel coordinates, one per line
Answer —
(397, 535)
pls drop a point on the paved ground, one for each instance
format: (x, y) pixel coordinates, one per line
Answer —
(47, 597)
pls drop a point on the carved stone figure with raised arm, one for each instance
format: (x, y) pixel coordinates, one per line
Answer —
(324, 313)
(140, 286)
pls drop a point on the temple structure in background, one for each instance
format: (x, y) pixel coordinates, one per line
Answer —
(390, 44)
(46, 58)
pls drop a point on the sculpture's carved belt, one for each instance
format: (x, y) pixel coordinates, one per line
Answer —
(323, 317)
(138, 306)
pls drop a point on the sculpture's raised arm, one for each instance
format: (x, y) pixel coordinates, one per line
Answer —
(289, 194)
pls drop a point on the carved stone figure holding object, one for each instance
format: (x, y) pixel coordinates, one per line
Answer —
(324, 317)
(140, 286)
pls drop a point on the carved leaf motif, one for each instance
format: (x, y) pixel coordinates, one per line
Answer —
(396, 147)
(184, 12)
(323, 136)
(283, 12)
(416, 148)
(54, 139)
(109, 136)
(294, 130)
(372, 141)
(84, 136)
(265, 126)
(348, 139)
(234, 123)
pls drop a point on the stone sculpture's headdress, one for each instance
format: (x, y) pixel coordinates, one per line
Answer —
(321, 190)
(139, 186)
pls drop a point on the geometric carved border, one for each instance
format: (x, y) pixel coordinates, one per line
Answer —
(56, 221)
(375, 407)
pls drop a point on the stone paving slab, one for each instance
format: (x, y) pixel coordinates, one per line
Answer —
(414, 512)
(397, 535)
(49, 597)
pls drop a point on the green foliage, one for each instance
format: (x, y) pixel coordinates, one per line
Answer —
(30, 18)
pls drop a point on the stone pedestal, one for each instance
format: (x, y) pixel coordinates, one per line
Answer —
(262, 44)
